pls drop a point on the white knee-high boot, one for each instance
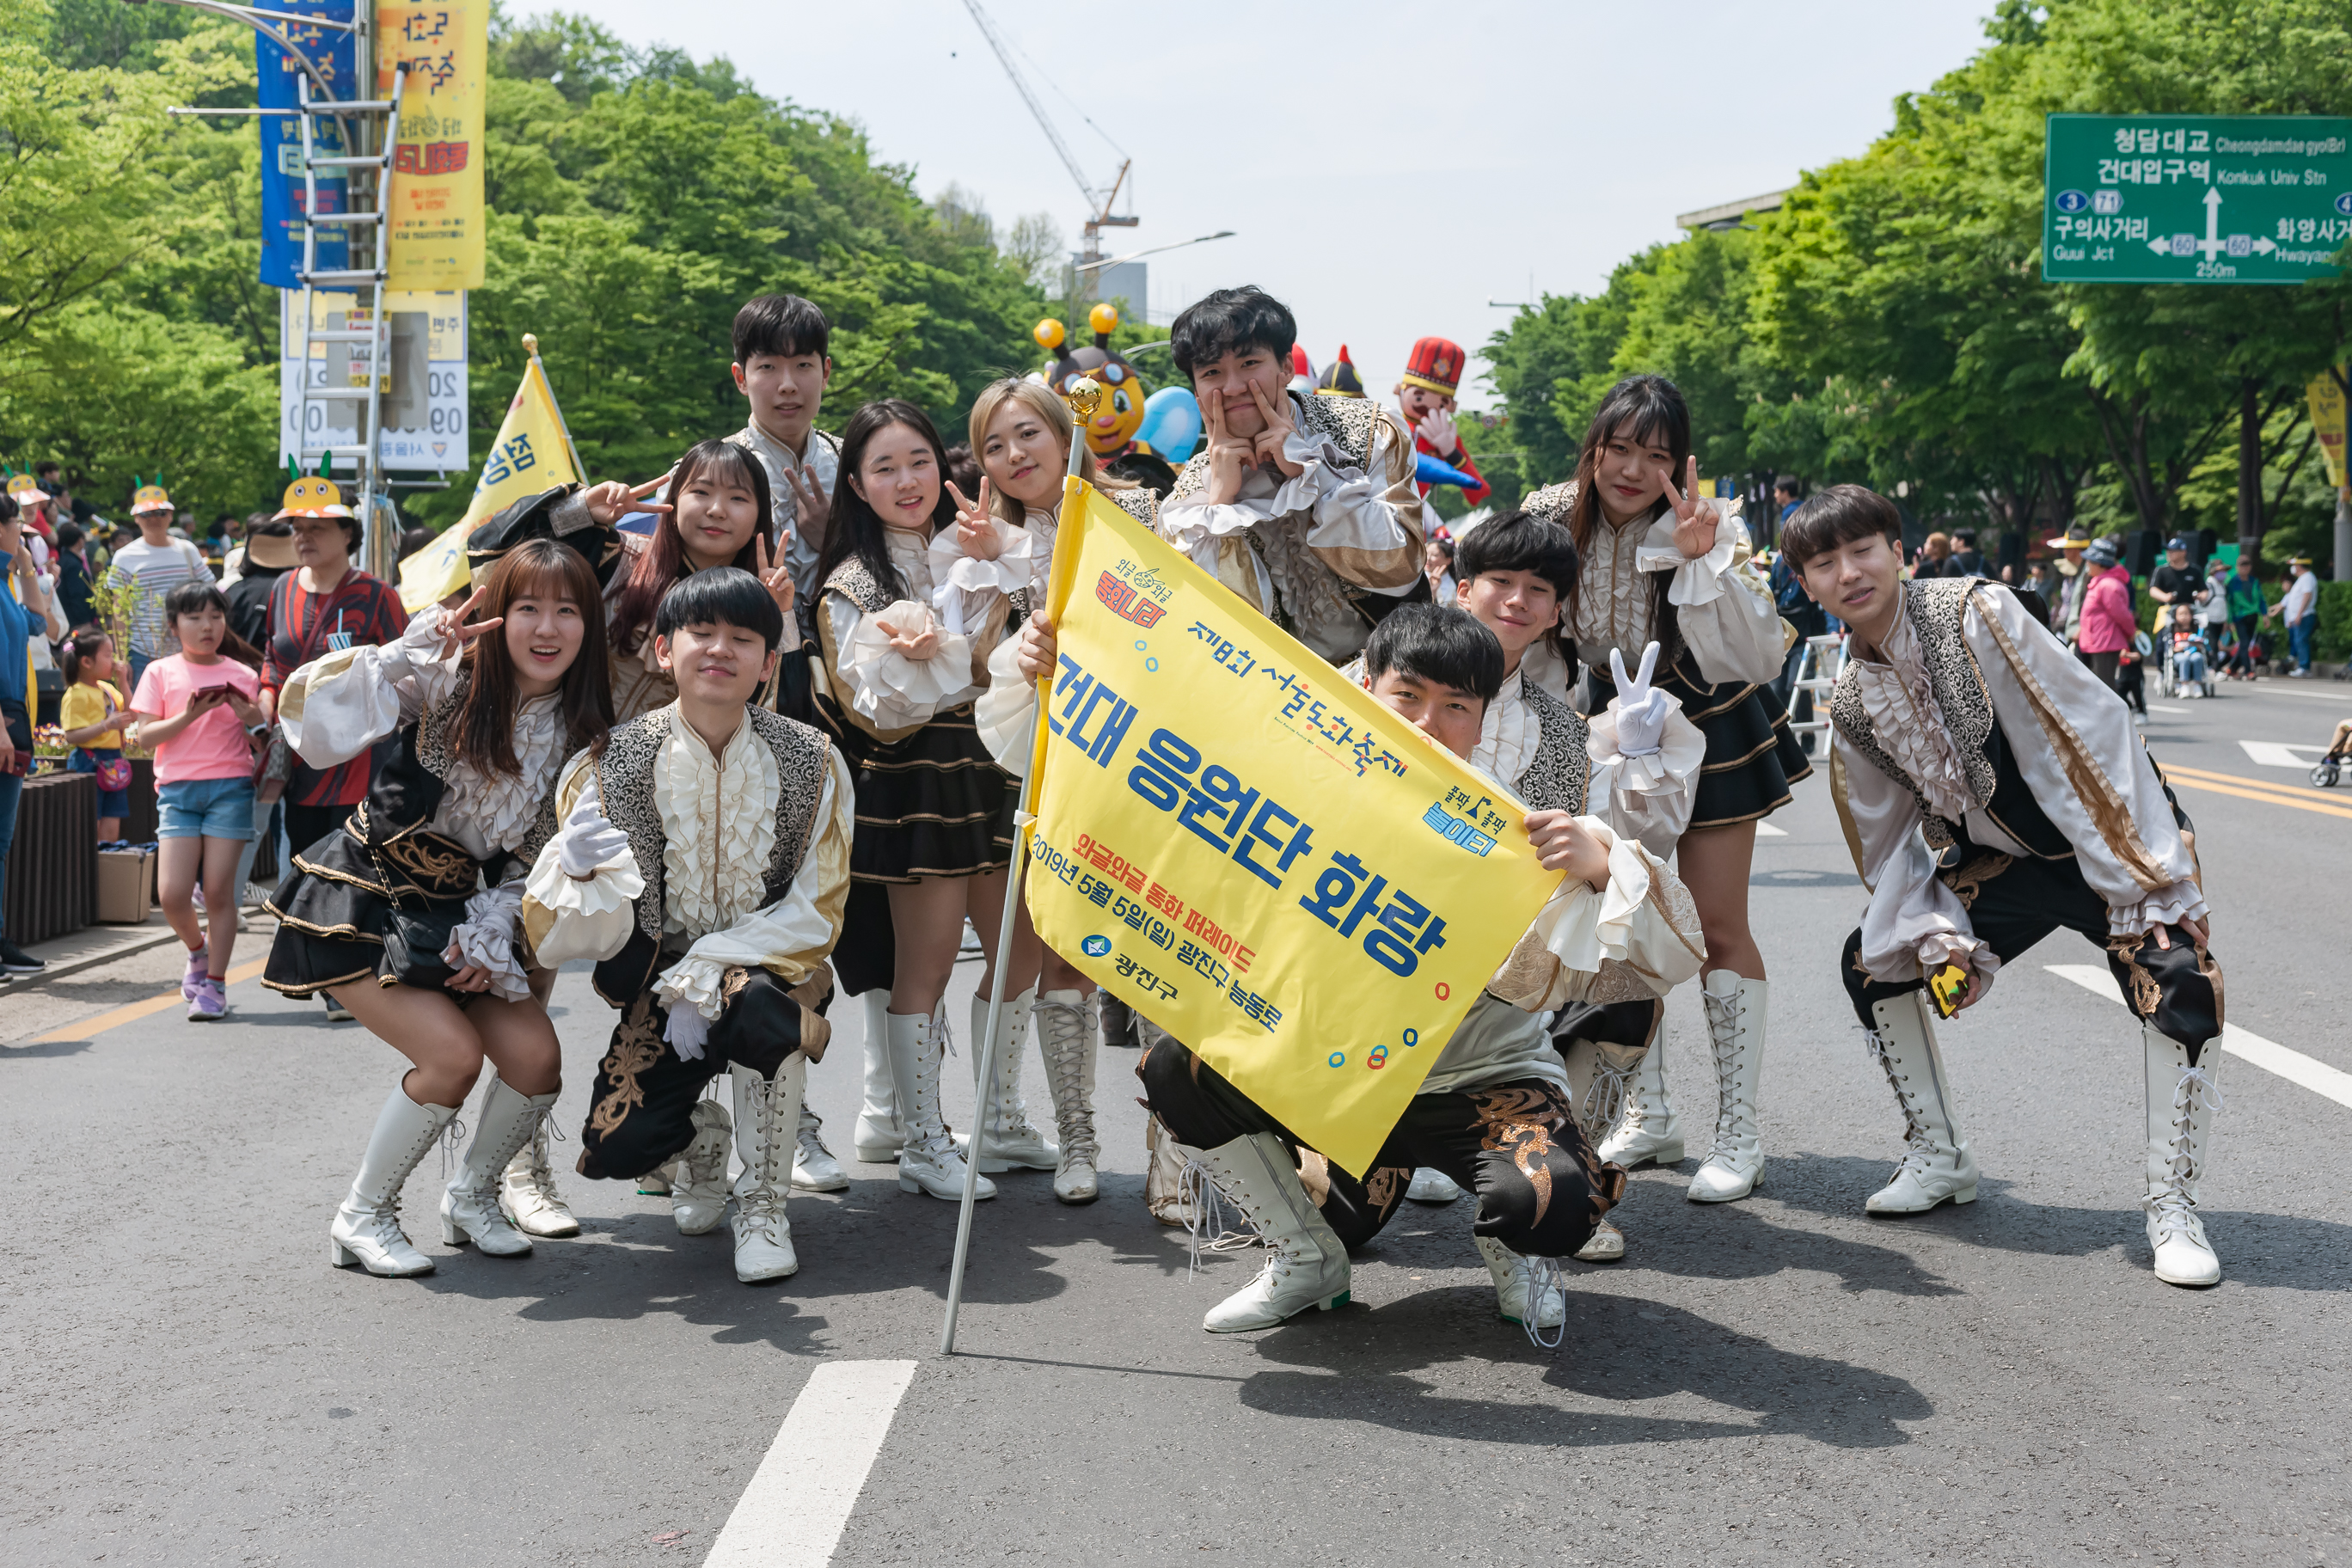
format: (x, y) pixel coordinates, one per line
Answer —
(1065, 1028)
(2181, 1101)
(530, 1198)
(1937, 1167)
(1306, 1263)
(767, 1116)
(470, 1207)
(366, 1230)
(1647, 1131)
(878, 1134)
(1734, 1028)
(697, 1190)
(928, 1162)
(1007, 1141)
(1602, 1079)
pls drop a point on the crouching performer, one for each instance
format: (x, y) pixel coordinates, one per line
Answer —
(704, 863)
(1494, 1113)
(1995, 790)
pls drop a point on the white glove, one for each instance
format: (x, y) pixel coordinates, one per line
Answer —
(1641, 709)
(686, 1032)
(587, 841)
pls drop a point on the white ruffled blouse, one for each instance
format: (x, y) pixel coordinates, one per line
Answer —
(1725, 610)
(333, 709)
(884, 689)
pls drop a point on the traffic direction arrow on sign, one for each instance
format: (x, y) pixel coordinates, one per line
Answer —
(2122, 194)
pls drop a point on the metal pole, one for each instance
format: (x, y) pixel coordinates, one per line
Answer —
(1083, 393)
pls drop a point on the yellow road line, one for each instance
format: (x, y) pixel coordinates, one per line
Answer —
(2309, 793)
(138, 1010)
(2185, 778)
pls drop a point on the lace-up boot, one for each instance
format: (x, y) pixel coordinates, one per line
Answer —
(767, 1116)
(1164, 1162)
(1603, 1078)
(1007, 1141)
(928, 1162)
(1734, 1167)
(1065, 1026)
(877, 1134)
(2181, 1101)
(1646, 1131)
(469, 1206)
(530, 1196)
(814, 1170)
(1431, 1186)
(698, 1186)
(366, 1230)
(1936, 1167)
(1306, 1264)
(1519, 1296)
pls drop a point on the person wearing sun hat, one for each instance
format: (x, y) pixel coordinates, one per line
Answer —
(2299, 614)
(153, 565)
(1433, 373)
(2066, 612)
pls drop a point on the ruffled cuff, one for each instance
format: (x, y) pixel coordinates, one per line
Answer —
(1696, 582)
(1325, 480)
(1637, 937)
(1648, 797)
(419, 648)
(966, 586)
(486, 939)
(2167, 906)
(1006, 713)
(893, 691)
(1583, 927)
(567, 917)
(693, 981)
(1939, 948)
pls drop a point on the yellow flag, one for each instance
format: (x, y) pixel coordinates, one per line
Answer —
(2326, 395)
(532, 453)
(1243, 845)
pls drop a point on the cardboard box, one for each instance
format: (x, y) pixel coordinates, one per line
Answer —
(126, 886)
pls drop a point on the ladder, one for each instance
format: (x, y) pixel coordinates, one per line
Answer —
(1817, 672)
(380, 543)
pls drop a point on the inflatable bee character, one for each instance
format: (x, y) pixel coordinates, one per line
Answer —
(1111, 432)
(310, 495)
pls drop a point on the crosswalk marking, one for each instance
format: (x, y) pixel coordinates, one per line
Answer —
(2268, 1055)
(2274, 754)
(799, 1501)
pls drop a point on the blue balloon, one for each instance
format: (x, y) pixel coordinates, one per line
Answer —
(1171, 423)
(1430, 471)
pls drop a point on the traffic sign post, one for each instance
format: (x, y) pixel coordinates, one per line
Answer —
(2195, 198)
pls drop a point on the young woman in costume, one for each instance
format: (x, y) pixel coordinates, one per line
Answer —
(1661, 562)
(410, 910)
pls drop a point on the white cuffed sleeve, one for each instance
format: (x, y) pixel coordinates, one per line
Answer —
(566, 917)
(1647, 797)
(334, 708)
(970, 593)
(1915, 925)
(491, 935)
(886, 689)
(1637, 935)
(1724, 608)
(1006, 713)
(1364, 524)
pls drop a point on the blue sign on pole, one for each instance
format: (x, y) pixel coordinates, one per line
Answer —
(329, 48)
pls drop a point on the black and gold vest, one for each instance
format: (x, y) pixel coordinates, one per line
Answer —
(1558, 777)
(394, 822)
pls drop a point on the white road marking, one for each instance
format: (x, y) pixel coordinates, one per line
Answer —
(2273, 754)
(2278, 687)
(1765, 830)
(2268, 1055)
(2165, 708)
(792, 1513)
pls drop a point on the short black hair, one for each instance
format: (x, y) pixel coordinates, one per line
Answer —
(7, 509)
(1436, 643)
(781, 325)
(1838, 515)
(1228, 321)
(1519, 542)
(69, 535)
(724, 595)
(1786, 482)
(194, 598)
(46, 466)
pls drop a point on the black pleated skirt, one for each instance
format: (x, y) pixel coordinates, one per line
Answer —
(1751, 757)
(933, 803)
(334, 914)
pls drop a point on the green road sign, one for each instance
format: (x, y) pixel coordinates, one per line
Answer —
(2195, 198)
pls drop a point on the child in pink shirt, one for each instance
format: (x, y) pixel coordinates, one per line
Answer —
(197, 710)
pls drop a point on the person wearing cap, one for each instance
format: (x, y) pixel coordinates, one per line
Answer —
(2299, 612)
(2175, 582)
(150, 566)
(2108, 618)
(2066, 610)
(1339, 378)
(1433, 373)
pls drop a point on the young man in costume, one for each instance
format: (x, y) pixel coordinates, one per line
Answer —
(703, 864)
(1433, 375)
(781, 366)
(1995, 791)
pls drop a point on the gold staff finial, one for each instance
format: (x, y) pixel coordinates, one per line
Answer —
(531, 345)
(1084, 395)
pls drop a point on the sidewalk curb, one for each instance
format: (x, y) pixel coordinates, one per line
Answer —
(146, 940)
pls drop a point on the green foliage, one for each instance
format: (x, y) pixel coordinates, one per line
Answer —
(2334, 640)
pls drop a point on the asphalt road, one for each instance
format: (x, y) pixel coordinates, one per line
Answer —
(183, 1379)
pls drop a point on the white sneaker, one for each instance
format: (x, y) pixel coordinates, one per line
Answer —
(1525, 1293)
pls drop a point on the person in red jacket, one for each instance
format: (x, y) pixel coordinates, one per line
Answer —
(2108, 619)
(1433, 373)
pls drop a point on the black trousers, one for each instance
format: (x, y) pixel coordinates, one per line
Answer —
(641, 1109)
(2014, 901)
(1540, 1187)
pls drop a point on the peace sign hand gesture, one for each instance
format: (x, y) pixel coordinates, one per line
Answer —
(775, 576)
(1695, 517)
(812, 508)
(1279, 428)
(1641, 709)
(976, 532)
(456, 632)
(611, 501)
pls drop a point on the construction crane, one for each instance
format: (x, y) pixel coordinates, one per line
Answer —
(1099, 200)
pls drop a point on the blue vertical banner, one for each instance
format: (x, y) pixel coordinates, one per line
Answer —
(282, 194)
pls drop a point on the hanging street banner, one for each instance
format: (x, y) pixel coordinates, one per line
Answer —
(282, 190)
(424, 411)
(435, 233)
(2325, 395)
(1241, 844)
(2195, 198)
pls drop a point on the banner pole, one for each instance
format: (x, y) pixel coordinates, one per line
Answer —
(1082, 395)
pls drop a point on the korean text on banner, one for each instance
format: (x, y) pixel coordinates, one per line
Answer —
(2327, 421)
(1245, 846)
(282, 190)
(531, 454)
(435, 239)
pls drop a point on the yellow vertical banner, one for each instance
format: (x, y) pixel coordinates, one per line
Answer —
(532, 453)
(434, 234)
(2326, 395)
(1241, 844)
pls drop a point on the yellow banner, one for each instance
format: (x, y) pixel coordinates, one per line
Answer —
(1248, 849)
(435, 234)
(531, 454)
(2326, 395)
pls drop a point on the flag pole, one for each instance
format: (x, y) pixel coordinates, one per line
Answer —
(1083, 395)
(530, 347)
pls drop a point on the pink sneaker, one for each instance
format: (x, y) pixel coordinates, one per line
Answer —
(195, 973)
(210, 1003)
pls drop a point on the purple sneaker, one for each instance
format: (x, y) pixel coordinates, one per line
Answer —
(194, 974)
(210, 1003)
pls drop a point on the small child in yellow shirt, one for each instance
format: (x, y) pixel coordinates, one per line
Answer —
(92, 715)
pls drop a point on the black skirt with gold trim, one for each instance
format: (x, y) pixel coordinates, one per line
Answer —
(347, 912)
(1751, 758)
(932, 804)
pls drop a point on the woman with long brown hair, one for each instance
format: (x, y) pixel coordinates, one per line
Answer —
(1661, 562)
(411, 910)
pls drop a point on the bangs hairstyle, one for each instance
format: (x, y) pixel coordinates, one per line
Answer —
(1436, 643)
(662, 561)
(194, 599)
(1838, 516)
(1036, 398)
(855, 529)
(1229, 321)
(482, 729)
(1649, 410)
(721, 596)
(783, 325)
(1519, 542)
